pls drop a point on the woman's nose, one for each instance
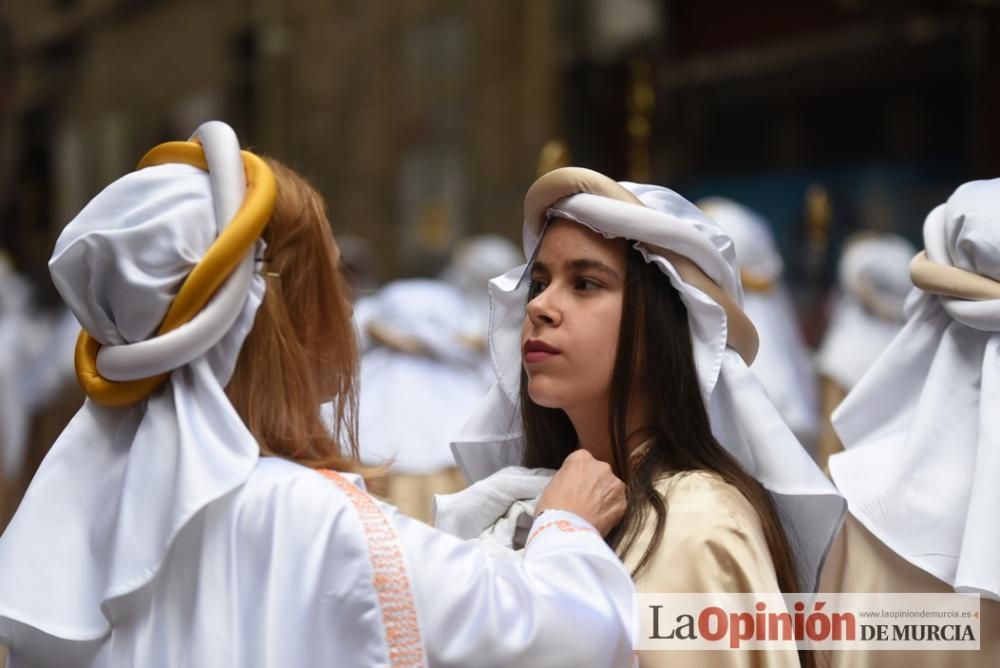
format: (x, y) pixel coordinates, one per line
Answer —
(542, 310)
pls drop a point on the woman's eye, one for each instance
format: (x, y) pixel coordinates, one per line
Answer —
(535, 288)
(586, 285)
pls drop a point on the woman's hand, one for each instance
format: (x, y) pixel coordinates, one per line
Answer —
(585, 487)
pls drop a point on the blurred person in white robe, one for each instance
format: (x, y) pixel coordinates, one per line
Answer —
(874, 280)
(784, 363)
(15, 407)
(421, 375)
(921, 464)
(424, 367)
(198, 512)
(39, 392)
(36, 374)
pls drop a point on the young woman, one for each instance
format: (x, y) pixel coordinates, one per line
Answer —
(156, 534)
(624, 337)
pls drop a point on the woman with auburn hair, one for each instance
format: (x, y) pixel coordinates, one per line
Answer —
(196, 512)
(624, 337)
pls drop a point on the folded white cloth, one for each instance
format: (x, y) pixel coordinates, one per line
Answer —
(498, 509)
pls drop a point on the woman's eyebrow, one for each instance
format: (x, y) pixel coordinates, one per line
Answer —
(588, 264)
(580, 264)
(539, 266)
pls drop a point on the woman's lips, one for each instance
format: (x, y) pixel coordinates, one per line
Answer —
(538, 351)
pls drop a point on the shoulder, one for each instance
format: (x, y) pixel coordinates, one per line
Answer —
(275, 479)
(712, 539)
(705, 496)
(299, 502)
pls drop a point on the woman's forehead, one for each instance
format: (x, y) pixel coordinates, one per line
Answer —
(566, 240)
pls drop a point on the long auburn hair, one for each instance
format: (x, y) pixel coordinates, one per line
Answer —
(654, 330)
(302, 350)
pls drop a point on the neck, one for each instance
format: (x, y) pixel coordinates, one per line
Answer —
(593, 433)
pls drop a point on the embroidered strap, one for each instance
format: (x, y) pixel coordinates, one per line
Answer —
(399, 613)
(563, 525)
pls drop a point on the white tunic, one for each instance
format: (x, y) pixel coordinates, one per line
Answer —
(297, 569)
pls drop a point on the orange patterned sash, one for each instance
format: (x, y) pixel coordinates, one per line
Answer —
(399, 613)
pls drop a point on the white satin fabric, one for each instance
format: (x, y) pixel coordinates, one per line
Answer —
(412, 404)
(279, 573)
(743, 418)
(873, 267)
(783, 363)
(922, 451)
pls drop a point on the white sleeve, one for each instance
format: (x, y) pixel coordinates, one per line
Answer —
(567, 602)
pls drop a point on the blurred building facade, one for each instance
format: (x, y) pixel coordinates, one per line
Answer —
(421, 120)
(828, 116)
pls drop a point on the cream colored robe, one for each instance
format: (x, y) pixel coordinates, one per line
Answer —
(828, 444)
(712, 542)
(413, 494)
(859, 562)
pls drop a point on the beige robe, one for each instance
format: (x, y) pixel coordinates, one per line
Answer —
(413, 495)
(828, 443)
(859, 562)
(712, 542)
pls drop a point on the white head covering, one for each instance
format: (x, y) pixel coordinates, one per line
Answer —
(922, 461)
(120, 483)
(783, 363)
(756, 252)
(874, 275)
(743, 419)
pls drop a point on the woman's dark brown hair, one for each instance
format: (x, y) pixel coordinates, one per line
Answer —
(301, 351)
(654, 329)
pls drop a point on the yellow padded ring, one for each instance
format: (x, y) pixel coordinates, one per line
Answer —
(219, 261)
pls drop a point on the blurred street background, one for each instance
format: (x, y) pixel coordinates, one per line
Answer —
(422, 121)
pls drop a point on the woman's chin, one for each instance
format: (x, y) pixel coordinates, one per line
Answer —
(545, 396)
